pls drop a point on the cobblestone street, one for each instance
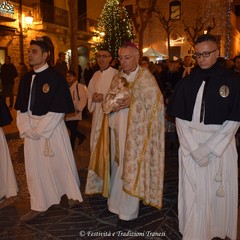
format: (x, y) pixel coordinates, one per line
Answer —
(90, 219)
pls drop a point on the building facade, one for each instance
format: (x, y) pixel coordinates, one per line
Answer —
(191, 18)
(50, 21)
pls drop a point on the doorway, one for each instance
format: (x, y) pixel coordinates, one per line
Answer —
(175, 52)
(3, 53)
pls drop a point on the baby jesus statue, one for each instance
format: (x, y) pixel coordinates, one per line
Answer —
(121, 91)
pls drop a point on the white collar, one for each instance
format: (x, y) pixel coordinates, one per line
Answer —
(44, 67)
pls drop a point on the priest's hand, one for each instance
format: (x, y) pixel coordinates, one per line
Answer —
(97, 97)
(122, 103)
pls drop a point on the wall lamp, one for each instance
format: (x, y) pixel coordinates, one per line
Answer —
(28, 20)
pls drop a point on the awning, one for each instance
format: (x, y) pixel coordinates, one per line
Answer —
(7, 13)
(6, 19)
(151, 52)
(5, 30)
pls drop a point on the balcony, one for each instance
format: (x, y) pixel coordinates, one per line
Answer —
(85, 28)
(7, 12)
(46, 13)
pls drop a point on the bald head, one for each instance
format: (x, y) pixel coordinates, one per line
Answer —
(128, 57)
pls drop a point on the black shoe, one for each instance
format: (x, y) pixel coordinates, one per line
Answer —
(122, 224)
(81, 139)
(72, 203)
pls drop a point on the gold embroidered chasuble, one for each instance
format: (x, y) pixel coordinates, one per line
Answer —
(143, 171)
(143, 166)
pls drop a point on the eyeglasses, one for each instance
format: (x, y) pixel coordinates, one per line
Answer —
(204, 54)
(102, 56)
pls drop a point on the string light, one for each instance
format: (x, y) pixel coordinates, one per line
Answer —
(228, 29)
(212, 10)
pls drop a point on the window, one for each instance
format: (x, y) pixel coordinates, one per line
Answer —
(237, 10)
(82, 15)
(175, 10)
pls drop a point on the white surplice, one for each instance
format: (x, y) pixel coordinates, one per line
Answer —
(8, 183)
(99, 83)
(48, 177)
(202, 214)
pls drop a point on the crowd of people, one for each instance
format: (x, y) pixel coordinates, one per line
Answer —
(136, 107)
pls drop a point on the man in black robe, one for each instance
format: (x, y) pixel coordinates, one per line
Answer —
(206, 105)
(42, 102)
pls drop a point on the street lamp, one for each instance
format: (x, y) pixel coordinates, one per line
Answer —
(28, 22)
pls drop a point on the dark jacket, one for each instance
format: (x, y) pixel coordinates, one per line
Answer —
(5, 115)
(8, 73)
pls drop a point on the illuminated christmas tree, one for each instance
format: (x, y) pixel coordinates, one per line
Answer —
(113, 28)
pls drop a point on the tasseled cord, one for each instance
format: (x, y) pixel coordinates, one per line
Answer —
(47, 149)
(218, 178)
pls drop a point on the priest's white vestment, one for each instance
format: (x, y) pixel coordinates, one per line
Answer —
(99, 83)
